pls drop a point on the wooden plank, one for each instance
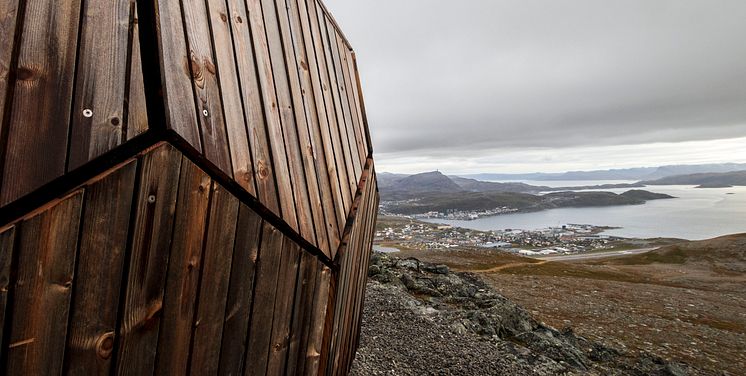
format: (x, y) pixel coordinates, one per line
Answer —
(47, 246)
(238, 140)
(349, 125)
(98, 106)
(206, 85)
(352, 98)
(318, 322)
(214, 283)
(176, 74)
(137, 112)
(7, 241)
(248, 79)
(8, 20)
(272, 115)
(240, 293)
(103, 240)
(302, 313)
(331, 195)
(358, 91)
(40, 113)
(329, 134)
(262, 311)
(182, 281)
(151, 238)
(288, 122)
(300, 89)
(338, 128)
(283, 310)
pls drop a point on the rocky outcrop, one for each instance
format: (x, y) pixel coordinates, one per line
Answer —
(462, 326)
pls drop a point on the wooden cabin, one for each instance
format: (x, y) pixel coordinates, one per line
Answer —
(186, 187)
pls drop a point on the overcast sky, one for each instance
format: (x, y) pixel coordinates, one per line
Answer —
(528, 85)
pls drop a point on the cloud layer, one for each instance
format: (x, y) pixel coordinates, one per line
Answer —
(472, 79)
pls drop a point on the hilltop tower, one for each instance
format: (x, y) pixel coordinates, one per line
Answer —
(186, 187)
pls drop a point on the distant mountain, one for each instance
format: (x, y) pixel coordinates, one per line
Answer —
(423, 183)
(640, 173)
(473, 185)
(705, 180)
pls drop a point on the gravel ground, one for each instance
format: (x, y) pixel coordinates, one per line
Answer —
(398, 340)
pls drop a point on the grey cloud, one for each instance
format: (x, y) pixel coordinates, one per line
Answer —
(479, 75)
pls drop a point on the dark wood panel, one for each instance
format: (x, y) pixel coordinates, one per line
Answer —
(205, 83)
(37, 132)
(338, 127)
(248, 78)
(98, 105)
(43, 287)
(177, 73)
(302, 312)
(305, 147)
(318, 321)
(103, 239)
(240, 293)
(137, 112)
(352, 98)
(288, 122)
(238, 140)
(151, 238)
(262, 311)
(303, 46)
(7, 242)
(347, 128)
(214, 283)
(185, 262)
(361, 102)
(283, 308)
(272, 115)
(9, 10)
(329, 134)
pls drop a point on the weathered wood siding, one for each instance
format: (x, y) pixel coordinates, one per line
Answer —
(266, 90)
(214, 219)
(154, 267)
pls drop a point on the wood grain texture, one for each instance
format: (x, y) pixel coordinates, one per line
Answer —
(214, 283)
(283, 308)
(182, 282)
(7, 242)
(330, 136)
(302, 312)
(288, 122)
(205, 84)
(177, 74)
(40, 113)
(339, 127)
(43, 287)
(348, 128)
(238, 141)
(98, 105)
(310, 90)
(137, 112)
(151, 237)
(361, 102)
(352, 98)
(265, 292)
(98, 276)
(8, 21)
(318, 319)
(248, 79)
(305, 148)
(240, 293)
(272, 115)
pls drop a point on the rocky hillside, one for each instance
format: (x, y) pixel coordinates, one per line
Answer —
(424, 319)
